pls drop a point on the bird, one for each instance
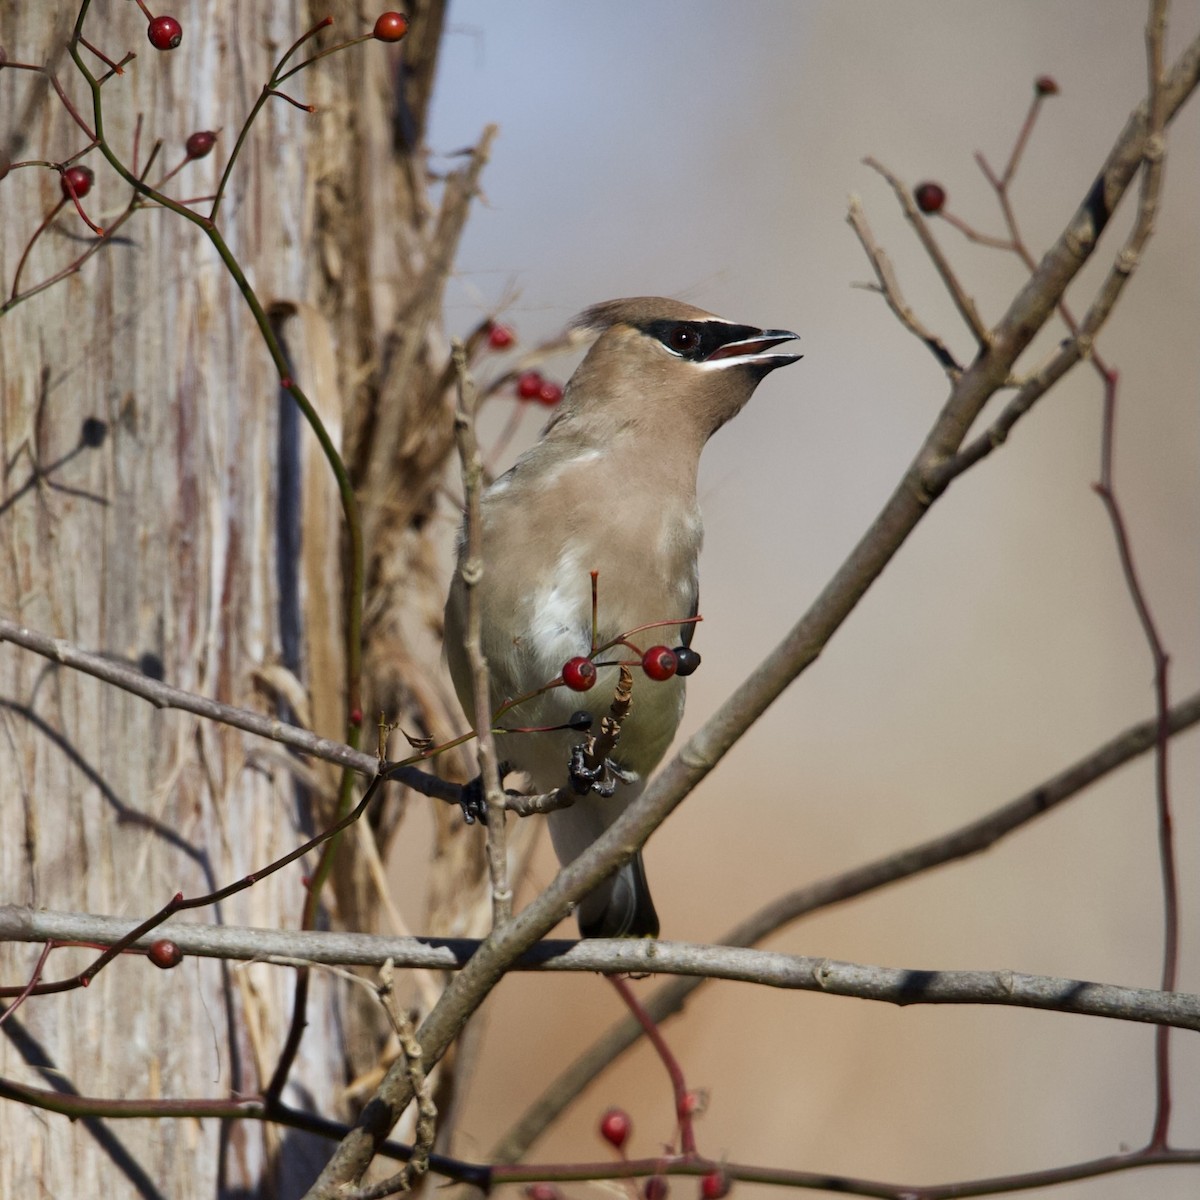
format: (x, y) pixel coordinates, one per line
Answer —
(608, 491)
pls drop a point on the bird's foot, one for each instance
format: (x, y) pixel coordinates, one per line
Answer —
(473, 801)
(601, 778)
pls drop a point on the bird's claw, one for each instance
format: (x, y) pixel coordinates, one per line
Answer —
(473, 798)
(602, 778)
(473, 802)
(586, 778)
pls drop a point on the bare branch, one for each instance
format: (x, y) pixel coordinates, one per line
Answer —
(894, 985)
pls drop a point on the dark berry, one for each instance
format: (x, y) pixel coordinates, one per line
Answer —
(686, 660)
(656, 1188)
(200, 144)
(165, 33)
(549, 394)
(714, 1185)
(93, 432)
(930, 197)
(390, 26)
(659, 662)
(529, 384)
(580, 720)
(79, 179)
(579, 674)
(165, 954)
(615, 1127)
(151, 665)
(1046, 85)
(500, 337)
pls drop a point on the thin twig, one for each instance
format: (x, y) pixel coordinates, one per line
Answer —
(1151, 187)
(963, 302)
(471, 569)
(889, 288)
(426, 1129)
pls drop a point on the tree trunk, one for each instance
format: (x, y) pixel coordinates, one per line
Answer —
(196, 534)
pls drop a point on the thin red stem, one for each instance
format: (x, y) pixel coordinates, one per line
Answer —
(1106, 490)
(27, 990)
(37, 233)
(684, 1099)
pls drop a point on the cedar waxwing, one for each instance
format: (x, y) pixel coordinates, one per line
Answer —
(609, 488)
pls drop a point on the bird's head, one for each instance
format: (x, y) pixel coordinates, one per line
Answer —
(662, 364)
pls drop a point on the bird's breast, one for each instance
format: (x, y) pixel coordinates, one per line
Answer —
(542, 547)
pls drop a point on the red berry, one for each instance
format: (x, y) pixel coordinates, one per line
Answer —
(500, 337)
(542, 1191)
(165, 33)
(549, 394)
(656, 1188)
(615, 1127)
(930, 197)
(714, 1185)
(529, 384)
(200, 144)
(79, 178)
(579, 674)
(1046, 85)
(165, 954)
(390, 26)
(659, 662)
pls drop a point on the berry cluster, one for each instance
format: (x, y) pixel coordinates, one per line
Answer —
(531, 386)
(659, 663)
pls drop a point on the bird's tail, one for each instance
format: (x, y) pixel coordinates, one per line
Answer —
(620, 906)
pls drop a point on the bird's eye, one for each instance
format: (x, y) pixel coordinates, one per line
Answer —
(682, 338)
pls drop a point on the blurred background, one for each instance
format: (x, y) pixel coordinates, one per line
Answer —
(707, 151)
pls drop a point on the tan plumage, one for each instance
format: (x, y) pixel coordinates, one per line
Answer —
(610, 487)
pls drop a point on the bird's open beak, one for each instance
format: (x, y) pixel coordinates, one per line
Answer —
(754, 349)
